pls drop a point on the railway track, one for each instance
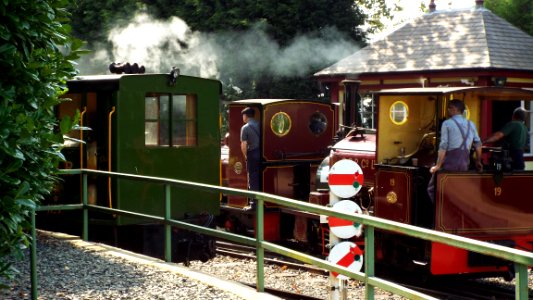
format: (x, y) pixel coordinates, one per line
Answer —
(284, 294)
(247, 252)
(455, 288)
(242, 251)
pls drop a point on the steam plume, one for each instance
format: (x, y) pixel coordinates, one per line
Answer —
(160, 45)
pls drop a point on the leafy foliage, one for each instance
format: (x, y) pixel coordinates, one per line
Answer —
(94, 19)
(283, 22)
(285, 19)
(36, 56)
(517, 12)
(250, 74)
(375, 12)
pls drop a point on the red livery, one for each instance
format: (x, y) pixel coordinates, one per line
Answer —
(301, 141)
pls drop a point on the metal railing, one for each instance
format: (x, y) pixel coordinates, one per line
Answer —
(521, 259)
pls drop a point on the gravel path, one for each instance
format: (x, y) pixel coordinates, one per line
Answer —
(72, 269)
(69, 268)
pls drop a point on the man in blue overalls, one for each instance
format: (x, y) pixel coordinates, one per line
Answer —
(250, 138)
(456, 137)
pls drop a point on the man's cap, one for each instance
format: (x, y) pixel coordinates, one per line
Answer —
(250, 112)
(520, 113)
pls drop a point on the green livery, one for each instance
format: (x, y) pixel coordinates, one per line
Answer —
(145, 124)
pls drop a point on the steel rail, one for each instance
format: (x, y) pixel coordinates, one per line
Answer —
(449, 288)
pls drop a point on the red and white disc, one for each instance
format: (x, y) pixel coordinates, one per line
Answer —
(342, 228)
(348, 255)
(345, 178)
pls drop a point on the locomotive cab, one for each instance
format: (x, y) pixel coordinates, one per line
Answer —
(489, 206)
(147, 124)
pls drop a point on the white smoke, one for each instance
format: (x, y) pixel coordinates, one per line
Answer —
(159, 45)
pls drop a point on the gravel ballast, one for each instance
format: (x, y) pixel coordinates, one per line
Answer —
(69, 268)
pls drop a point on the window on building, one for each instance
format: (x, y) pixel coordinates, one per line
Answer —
(528, 105)
(170, 120)
(367, 109)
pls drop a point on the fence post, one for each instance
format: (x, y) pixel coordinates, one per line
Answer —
(260, 251)
(521, 288)
(369, 260)
(33, 258)
(168, 228)
(85, 233)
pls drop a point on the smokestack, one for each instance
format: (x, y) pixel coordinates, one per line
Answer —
(480, 4)
(351, 101)
(432, 6)
(126, 68)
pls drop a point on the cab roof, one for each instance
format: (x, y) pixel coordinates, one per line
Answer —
(517, 93)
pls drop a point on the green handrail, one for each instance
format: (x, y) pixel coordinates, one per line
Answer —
(522, 259)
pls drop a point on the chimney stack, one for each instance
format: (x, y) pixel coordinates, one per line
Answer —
(432, 6)
(480, 4)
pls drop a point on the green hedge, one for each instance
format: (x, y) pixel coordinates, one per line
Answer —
(36, 58)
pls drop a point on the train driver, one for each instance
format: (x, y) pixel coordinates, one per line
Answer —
(456, 138)
(514, 134)
(250, 137)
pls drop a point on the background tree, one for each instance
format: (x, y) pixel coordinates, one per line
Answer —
(517, 12)
(283, 22)
(36, 54)
(93, 19)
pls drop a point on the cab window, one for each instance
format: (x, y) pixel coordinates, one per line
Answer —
(399, 112)
(170, 120)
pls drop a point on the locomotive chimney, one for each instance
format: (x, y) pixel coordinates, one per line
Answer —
(351, 101)
(480, 4)
(432, 6)
(126, 68)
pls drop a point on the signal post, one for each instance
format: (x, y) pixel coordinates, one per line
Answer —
(345, 179)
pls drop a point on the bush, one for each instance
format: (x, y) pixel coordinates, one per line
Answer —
(36, 58)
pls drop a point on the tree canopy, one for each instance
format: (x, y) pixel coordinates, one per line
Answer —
(312, 28)
(517, 12)
(284, 20)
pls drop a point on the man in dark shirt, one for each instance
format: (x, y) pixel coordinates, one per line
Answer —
(250, 138)
(514, 134)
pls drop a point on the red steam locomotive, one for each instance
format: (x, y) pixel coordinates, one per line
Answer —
(295, 135)
(300, 141)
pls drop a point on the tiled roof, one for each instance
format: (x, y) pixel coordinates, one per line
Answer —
(443, 40)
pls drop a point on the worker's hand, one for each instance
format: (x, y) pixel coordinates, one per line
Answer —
(434, 169)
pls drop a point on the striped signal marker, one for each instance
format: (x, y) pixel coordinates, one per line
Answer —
(345, 178)
(342, 228)
(346, 254)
